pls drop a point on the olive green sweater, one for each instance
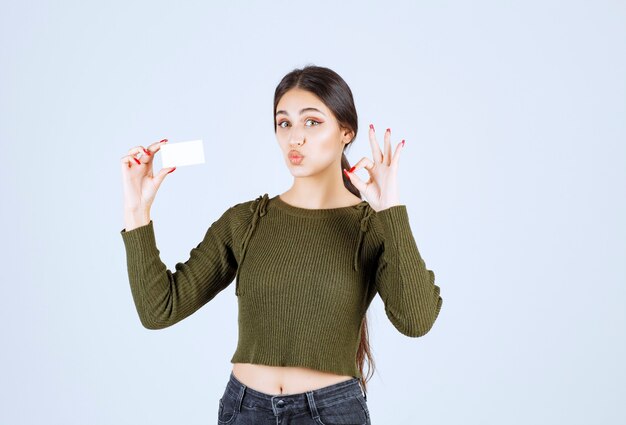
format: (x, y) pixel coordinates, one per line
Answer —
(304, 279)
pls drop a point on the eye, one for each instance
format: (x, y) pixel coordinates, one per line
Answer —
(280, 124)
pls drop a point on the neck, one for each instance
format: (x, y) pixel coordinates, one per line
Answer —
(323, 190)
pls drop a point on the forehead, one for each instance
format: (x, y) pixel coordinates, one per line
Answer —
(296, 99)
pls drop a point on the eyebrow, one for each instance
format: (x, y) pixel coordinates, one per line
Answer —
(301, 111)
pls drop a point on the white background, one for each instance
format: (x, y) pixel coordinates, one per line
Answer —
(513, 175)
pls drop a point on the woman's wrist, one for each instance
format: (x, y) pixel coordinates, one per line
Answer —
(136, 218)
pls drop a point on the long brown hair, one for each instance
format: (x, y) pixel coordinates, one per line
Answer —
(333, 91)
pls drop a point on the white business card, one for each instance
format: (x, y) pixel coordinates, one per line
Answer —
(182, 153)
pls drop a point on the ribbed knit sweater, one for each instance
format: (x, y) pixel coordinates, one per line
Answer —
(304, 279)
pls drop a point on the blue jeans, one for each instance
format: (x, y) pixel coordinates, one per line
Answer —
(341, 403)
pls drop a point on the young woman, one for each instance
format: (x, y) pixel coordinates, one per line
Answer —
(307, 263)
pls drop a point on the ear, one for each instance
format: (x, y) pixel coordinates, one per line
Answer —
(347, 135)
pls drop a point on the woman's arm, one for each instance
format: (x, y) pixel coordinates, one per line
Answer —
(163, 297)
(406, 286)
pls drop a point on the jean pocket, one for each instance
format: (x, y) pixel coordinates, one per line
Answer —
(227, 410)
(351, 410)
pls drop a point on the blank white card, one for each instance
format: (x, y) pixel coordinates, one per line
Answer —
(182, 153)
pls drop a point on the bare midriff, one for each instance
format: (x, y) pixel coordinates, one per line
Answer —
(283, 380)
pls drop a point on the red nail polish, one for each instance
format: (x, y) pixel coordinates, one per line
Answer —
(171, 170)
(147, 152)
(163, 141)
(352, 169)
(346, 173)
(372, 127)
(136, 160)
(402, 142)
(388, 129)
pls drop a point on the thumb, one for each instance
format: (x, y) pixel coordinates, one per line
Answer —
(158, 179)
(355, 180)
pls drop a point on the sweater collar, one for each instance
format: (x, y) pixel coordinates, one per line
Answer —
(258, 207)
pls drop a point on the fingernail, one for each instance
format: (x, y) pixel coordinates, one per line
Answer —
(372, 127)
(346, 173)
(136, 160)
(146, 151)
(171, 170)
(163, 141)
(402, 142)
(388, 129)
(352, 169)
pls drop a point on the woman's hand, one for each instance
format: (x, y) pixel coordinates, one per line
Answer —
(140, 185)
(381, 190)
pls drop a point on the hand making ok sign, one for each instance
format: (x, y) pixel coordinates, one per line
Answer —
(381, 190)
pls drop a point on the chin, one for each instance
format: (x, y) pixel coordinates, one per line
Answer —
(300, 171)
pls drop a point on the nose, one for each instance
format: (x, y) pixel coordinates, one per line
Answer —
(296, 137)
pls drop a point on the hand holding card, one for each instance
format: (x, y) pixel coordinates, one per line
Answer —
(182, 153)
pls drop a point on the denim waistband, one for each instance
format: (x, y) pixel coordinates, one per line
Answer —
(324, 396)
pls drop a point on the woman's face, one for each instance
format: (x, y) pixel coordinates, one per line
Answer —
(312, 136)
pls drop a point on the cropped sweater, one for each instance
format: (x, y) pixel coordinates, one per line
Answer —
(304, 279)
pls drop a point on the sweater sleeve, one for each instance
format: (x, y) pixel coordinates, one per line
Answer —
(163, 297)
(407, 288)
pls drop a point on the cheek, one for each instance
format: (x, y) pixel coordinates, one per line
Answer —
(325, 154)
(326, 133)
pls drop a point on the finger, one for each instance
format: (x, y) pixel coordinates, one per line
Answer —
(155, 147)
(137, 153)
(396, 155)
(364, 162)
(376, 153)
(135, 156)
(355, 180)
(158, 179)
(126, 161)
(387, 149)
(135, 150)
